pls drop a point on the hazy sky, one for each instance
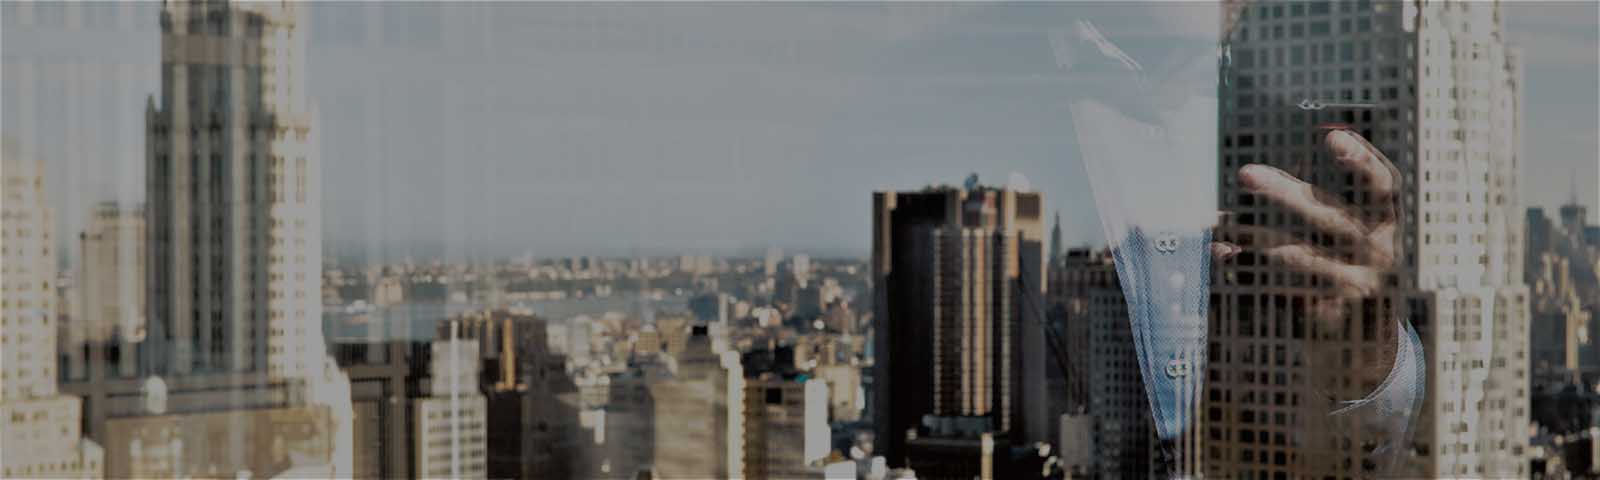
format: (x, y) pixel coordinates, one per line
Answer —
(559, 129)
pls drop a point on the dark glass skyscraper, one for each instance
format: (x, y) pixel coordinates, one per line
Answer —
(958, 277)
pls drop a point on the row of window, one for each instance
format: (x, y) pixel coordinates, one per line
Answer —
(1301, 9)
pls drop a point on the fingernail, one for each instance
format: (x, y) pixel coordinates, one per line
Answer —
(1250, 176)
(1344, 138)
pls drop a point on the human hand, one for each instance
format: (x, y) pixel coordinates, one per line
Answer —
(1356, 241)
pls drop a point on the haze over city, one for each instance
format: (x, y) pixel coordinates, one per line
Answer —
(500, 129)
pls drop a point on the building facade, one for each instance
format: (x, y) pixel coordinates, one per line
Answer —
(232, 224)
(234, 202)
(1438, 92)
(452, 419)
(786, 432)
(108, 311)
(958, 278)
(42, 434)
(1104, 394)
(679, 418)
(385, 377)
(532, 403)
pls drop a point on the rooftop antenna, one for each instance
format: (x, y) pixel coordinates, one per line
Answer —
(1573, 186)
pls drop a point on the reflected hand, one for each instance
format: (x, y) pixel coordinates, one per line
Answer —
(1365, 224)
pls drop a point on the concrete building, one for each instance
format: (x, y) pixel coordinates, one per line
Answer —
(234, 239)
(957, 272)
(234, 195)
(846, 397)
(682, 419)
(109, 307)
(384, 379)
(698, 414)
(786, 432)
(451, 420)
(1105, 400)
(956, 448)
(1563, 276)
(532, 404)
(188, 445)
(1445, 108)
(42, 434)
(233, 325)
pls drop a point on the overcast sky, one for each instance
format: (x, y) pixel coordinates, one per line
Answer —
(557, 129)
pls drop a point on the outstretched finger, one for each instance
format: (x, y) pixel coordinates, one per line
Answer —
(1349, 281)
(1353, 152)
(1224, 251)
(1302, 198)
(1383, 179)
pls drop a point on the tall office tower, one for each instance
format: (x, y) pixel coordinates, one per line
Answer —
(1105, 396)
(234, 194)
(959, 281)
(109, 310)
(1539, 237)
(233, 216)
(41, 434)
(1445, 108)
(452, 420)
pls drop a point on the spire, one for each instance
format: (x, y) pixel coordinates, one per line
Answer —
(1573, 187)
(1055, 240)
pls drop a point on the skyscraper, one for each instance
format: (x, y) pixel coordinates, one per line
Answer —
(1438, 92)
(1105, 393)
(233, 362)
(110, 303)
(41, 433)
(958, 277)
(233, 194)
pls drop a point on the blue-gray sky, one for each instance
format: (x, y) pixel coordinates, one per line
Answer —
(561, 129)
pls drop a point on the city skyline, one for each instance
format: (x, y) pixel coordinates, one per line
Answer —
(624, 125)
(418, 240)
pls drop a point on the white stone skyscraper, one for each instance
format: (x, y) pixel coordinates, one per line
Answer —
(234, 196)
(234, 222)
(1435, 88)
(40, 430)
